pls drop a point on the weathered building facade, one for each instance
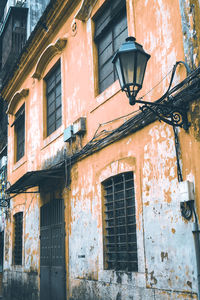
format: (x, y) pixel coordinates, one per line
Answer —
(97, 185)
(17, 21)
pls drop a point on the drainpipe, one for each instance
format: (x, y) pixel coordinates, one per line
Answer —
(195, 232)
(190, 205)
(187, 209)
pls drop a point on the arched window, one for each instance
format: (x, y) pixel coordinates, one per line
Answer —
(120, 241)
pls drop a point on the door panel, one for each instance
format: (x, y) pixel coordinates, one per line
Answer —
(57, 283)
(45, 283)
(52, 251)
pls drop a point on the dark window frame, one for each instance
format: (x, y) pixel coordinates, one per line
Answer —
(111, 30)
(119, 223)
(18, 238)
(19, 124)
(53, 92)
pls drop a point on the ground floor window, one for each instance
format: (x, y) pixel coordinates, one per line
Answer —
(18, 231)
(120, 243)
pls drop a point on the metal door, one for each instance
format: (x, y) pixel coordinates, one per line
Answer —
(52, 251)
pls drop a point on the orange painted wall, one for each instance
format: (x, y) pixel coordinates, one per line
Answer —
(150, 152)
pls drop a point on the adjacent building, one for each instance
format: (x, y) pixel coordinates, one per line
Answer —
(104, 196)
(17, 21)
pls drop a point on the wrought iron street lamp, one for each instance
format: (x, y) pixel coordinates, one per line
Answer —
(130, 63)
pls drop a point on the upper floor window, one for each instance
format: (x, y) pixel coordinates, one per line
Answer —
(120, 243)
(53, 99)
(19, 124)
(18, 232)
(110, 32)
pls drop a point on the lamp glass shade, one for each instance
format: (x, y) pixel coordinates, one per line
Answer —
(128, 67)
(142, 59)
(130, 62)
(119, 72)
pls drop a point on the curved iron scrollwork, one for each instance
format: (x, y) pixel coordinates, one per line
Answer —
(165, 110)
(168, 113)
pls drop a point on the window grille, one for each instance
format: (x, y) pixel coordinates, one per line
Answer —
(110, 32)
(54, 101)
(120, 243)
(20, 132)
(18, 225)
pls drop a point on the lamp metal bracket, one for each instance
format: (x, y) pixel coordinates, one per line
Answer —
(168, 113)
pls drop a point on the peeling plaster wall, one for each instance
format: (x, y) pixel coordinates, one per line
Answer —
(31, 235)
(166, 255)
(20, 285)
(190, 16)
(21, 282)
(175, 266)
(166, 251)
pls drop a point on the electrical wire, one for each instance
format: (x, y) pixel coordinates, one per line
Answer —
(113, 120)
(27, 210)
(172, 70)
(24, 203)
(156, 85)
(137, 121)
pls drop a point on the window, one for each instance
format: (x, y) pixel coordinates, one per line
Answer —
(120, 243)
(20, 132)
(53, 98)
(110, 32)
(18, 230)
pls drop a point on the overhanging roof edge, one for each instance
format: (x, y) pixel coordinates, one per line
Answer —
(33, 178)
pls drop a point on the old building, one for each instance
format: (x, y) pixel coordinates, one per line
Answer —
(17, 21)
(104, 196)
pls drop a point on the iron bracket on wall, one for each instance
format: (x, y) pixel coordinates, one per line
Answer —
(168, 113)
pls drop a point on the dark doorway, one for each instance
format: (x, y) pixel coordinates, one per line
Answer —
(52, 251)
